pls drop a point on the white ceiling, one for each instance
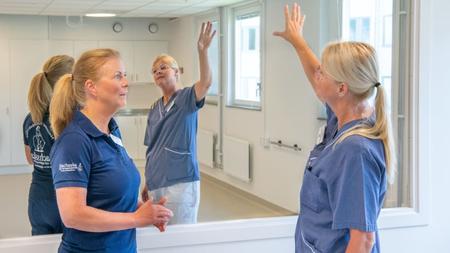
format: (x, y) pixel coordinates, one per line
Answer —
(123, 8)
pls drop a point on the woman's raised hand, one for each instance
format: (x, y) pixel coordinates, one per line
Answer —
(205, 37)
(293, 24)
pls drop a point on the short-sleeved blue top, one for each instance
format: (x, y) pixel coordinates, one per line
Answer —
(343, 188)
(171, 140)
(39, 137)
(85, 157)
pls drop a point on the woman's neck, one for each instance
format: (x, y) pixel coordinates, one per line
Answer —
(167, 95)
(348, 112)
(100, 118)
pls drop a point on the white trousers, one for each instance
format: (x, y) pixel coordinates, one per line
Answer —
(183, 199)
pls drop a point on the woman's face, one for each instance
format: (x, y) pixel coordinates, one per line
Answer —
(164, 75)
(112, 86)
(327, 88)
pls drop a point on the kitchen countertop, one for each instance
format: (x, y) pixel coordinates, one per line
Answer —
(132, 112)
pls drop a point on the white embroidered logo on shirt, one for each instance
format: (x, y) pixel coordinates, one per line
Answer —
(70, 167)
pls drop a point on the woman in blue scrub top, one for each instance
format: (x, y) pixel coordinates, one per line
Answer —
(38, 139)
(346, 176)
(96, 182)
(171, 167)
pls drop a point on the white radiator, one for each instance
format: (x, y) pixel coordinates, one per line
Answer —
(205, 147)
(236, 158)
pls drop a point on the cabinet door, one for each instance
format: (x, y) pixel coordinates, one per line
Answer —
(79, 47)
(145, 53)
(57, 47)
(27, 58)
(5, 127)
(128, 129)
(142, 125)
(125, 49)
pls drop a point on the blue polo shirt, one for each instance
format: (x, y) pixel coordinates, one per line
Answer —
(343, 188)
(171, 140)
(85, 157)
(39, 137)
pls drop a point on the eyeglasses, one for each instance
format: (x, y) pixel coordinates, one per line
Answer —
(162, 67)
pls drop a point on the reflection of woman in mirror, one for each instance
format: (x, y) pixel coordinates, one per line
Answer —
(38, 139)
(345, 180)
(96, 182)
(171, 168)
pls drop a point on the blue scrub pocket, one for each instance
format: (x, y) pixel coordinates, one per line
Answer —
(313, 192)
(179, 164)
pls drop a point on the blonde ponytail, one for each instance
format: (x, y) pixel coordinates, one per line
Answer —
(41, 87)
(39, 96)
(65, 100)
(355, 63)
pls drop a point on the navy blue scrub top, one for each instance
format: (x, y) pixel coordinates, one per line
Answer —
(171, 140)
(39, 137)
(343, 188)
(85, 157)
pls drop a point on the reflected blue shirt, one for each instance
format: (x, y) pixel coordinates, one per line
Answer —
(171, 140)
(82, 156)
(343, 188)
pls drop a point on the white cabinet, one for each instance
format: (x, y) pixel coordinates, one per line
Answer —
(5, 123)
(26, 60)
(132, 129)
(138, 57)
(80, 47)
(145, 53)
(126, 52)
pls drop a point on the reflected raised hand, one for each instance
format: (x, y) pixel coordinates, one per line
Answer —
(205, 37)
(293, 24)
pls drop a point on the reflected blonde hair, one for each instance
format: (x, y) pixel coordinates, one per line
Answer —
(41, 86)
(70, 92)
(355, 63)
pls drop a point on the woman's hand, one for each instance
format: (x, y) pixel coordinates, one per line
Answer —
(293, 24)
(205, 37)
(149, 213)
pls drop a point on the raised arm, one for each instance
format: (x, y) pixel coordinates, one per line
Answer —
(204, 41)
(293, 33)
(75, 213)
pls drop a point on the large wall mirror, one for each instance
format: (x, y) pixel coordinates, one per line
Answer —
(260, 119)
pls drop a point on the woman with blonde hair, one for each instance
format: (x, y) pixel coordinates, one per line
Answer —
(96, 182)
(346, 176)
(171, 168)
(38, 139)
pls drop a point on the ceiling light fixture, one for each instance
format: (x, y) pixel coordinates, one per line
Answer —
(100, 15)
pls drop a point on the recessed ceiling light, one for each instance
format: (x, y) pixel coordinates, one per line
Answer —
(100, 15)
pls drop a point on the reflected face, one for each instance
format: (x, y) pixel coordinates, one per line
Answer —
(112, 87)
(164, 75)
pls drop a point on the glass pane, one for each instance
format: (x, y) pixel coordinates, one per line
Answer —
(370, 21)
(247, 58)
(214, 59)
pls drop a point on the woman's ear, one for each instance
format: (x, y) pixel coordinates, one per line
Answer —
(177, 74)
(91, 88)
(342, 89)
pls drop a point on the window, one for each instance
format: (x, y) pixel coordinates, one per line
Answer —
(371, 21)
(213, 56)
(245, 84)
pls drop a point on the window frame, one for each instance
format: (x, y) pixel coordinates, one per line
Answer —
(407, 67)
(232, 13)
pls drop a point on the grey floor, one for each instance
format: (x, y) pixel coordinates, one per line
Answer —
(219, 201)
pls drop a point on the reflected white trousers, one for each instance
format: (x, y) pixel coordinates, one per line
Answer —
(183, 199)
